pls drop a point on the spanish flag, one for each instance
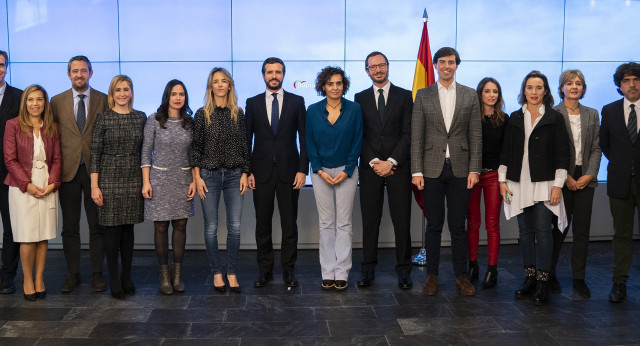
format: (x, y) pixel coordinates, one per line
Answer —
(422, 78)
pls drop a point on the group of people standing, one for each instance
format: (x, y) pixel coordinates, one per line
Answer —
(453, 143)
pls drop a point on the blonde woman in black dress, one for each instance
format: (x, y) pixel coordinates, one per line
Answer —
(116, 179)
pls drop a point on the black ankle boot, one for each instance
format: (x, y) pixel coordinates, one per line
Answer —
(542, 288)
(473, 270)
(529, 284)
(491, 278)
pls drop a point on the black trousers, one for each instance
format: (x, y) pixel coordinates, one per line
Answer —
(454, 191)
(579, 205)
(372, 188)
(263, 201)
(71, 196)
(10, 249)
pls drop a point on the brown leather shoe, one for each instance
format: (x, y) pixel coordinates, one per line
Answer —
(430, 287)
(465, 286)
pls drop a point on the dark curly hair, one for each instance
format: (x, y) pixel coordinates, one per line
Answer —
(498, 108)
(325, 75)
(162, 114)
(630, 68)
(547, 100)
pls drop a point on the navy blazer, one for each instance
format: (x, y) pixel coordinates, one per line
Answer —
(548, 146)
(281, 147)
(390, 137)
(8, 110)
(617, 147)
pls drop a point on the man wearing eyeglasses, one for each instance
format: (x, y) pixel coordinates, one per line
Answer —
(384, 161)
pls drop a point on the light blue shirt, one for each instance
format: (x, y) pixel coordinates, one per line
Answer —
(76, 100)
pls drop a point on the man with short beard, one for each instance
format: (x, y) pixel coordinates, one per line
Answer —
(75, 111)
(276, 118)
(384, 161)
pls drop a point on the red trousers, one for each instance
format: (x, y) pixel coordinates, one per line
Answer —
(492, 202)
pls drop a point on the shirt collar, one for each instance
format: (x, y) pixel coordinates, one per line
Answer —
(386, 88)
(541, 109)
(452, 87)
(75, 93)
(3, 88)
(628, 103)
(270, 93)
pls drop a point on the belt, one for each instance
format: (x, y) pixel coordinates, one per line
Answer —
(487, 170)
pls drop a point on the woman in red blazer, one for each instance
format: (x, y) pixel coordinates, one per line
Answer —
(33, 159)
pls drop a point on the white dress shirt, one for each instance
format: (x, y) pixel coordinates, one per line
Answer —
(385, 94)
(627, 110)
(2, 90)
(269, 101)
(447, 98)
(576, 132)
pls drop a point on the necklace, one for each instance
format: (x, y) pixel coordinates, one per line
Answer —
(336, 106)
(572, 109)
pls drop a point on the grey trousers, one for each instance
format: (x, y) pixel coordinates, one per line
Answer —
(335, 211)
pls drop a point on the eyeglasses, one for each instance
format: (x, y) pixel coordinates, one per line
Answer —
(377, 67)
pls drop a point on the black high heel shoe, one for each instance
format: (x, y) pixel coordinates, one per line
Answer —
(127, 286)
(41, 295)
(116, 289)
(222, 288)
(31, 297)
(234, 289)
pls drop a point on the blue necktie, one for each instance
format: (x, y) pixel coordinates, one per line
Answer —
(275, 113)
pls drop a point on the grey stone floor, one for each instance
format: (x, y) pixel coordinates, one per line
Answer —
(379, 315)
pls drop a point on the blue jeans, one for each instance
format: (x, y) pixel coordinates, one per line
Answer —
(536, 236)
(227, 182)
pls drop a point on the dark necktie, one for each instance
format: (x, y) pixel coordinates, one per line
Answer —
(632, 124)
(81, 119)
(275, 113)
(381, 103)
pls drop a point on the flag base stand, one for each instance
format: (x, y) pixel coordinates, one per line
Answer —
(421, 258)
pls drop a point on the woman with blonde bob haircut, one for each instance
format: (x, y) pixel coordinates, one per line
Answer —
(220, 160)
(34, 161)
(116, 179)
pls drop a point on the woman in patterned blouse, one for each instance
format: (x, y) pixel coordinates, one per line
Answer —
(220, 158)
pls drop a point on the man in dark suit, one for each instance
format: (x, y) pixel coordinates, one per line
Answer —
(619, 143)
(9, 108)
(75, 110)
(276, 118)
(384, 161)
(446, 159)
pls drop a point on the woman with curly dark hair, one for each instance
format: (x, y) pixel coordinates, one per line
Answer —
(334, 141)
(167, 182)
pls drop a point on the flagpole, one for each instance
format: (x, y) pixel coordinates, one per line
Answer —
(421, 258)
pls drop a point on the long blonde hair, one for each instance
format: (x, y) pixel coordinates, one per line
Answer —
(48, 123)
(232, 97)
(112, 89)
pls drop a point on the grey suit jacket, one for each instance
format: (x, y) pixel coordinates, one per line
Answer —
(589, 139)
(72, 141)
(429, 136)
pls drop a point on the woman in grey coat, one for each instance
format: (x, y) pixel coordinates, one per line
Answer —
(583, 126)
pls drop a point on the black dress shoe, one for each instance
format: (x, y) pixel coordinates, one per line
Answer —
(367, 279)
(263, 279)
(116, 288)
(41, 295)
(618, 293)
(127, 286)
(290, 279)
(31, 297)
(474, 270)
(97, 282)
(581, 289)
(404, 282)
(70, 283)
(7, 286)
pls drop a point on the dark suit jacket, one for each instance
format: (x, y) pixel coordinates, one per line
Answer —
(18, 156)
(548, 146)
(281, 146)
(73, 142)
(429, 136)
(589, 139)
(617, 147)
(390, 137)
(8, 110)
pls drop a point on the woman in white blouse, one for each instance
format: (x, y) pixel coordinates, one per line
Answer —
(533, 169)
(583, 125)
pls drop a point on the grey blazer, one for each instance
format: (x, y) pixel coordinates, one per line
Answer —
(429, 136)
(589, 139)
